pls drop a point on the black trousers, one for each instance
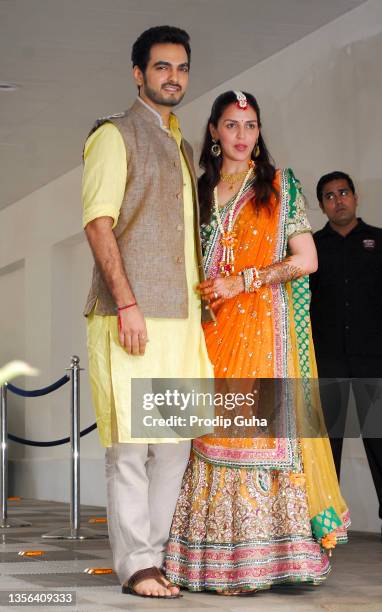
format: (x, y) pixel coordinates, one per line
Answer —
(361, 374)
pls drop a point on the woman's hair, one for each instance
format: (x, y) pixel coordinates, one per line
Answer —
(265, 170)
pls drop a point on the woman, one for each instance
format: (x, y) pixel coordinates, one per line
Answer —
(256, 511)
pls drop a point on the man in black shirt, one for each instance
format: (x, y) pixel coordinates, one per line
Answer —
(346, 314)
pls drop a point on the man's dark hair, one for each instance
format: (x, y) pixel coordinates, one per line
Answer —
(332, 176)
(140, 53)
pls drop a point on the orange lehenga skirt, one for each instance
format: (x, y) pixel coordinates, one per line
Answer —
(254, 512)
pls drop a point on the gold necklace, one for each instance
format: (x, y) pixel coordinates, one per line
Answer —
(231, 179)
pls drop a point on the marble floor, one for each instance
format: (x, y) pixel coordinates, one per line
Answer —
(355, 584)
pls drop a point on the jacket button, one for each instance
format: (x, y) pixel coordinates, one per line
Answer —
(179, 227)
(178, 195)
(179, 259)
(175, 164)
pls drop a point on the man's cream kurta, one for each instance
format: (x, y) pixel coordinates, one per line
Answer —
(176, 347)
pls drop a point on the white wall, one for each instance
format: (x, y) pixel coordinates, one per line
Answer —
(12, 338)
(42, 298)
(320, 100)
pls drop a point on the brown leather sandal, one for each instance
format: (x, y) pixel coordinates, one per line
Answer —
(146, 574)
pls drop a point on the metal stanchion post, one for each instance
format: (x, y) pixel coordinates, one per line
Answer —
(75, 531)
(75, 518)
(4, 478)
(5, 522)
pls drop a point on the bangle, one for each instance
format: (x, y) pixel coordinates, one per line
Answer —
(257, 283)
(252, 280)
(248, 280)
(126, 306)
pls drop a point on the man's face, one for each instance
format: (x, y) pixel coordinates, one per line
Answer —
(165, 80)
(339, 203)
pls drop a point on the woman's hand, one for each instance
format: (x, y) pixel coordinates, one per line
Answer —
(215, 290)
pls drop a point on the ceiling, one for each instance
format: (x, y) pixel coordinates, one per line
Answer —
(71, 61)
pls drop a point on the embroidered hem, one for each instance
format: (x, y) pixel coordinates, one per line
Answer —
(256, 564)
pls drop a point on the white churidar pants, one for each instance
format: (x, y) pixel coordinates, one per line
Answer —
(143, 484)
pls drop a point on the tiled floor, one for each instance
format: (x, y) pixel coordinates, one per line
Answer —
(355, 584)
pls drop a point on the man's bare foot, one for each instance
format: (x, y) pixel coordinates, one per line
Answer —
(173, 587)
(151, 587)
(150, 582)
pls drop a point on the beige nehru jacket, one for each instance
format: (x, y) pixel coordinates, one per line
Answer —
(150, 227)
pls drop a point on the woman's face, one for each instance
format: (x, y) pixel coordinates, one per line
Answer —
(237, 131)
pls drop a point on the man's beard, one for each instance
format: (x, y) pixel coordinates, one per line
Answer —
(157, 97)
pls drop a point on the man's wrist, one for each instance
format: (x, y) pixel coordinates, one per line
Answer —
(126, 306)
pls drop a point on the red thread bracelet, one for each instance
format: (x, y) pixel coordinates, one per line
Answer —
(119, 308)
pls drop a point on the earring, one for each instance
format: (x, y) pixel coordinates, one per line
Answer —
(257, 150)
(216, 149)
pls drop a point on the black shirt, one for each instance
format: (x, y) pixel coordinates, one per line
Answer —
(346, 305)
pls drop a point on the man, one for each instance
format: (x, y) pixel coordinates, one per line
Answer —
(141, 220)
(346, 314)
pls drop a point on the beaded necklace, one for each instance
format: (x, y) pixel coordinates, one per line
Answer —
(228, 238)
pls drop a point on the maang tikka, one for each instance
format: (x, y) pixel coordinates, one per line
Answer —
(241, 100)
(242, 103)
